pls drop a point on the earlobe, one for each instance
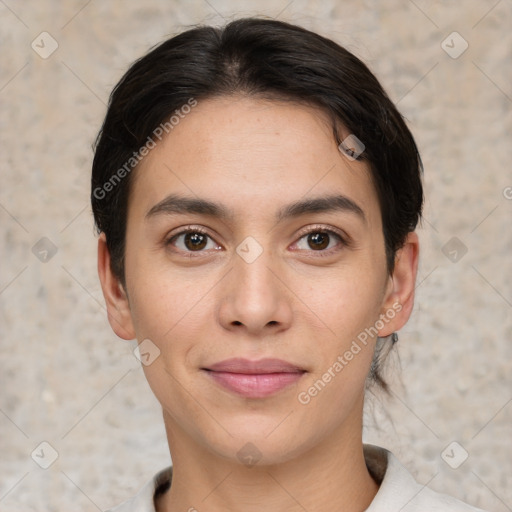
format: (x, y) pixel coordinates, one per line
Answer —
(118, 308)
(399, 300)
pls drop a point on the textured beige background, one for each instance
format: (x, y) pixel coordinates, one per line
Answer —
(67, 380)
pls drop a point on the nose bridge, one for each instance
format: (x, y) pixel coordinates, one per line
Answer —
(255, 297)
(253, 268)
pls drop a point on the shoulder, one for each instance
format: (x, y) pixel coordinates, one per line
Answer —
(143, 501)
(399, 491)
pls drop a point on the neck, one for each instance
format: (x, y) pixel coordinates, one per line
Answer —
(332, 475)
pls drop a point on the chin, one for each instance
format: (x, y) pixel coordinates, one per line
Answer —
(250, 445)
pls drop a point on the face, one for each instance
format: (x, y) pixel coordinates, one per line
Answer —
(250, 238)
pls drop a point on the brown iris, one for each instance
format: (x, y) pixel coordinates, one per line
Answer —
(195, 241)
(318, 240)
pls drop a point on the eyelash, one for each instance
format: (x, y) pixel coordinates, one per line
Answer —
(343, 241)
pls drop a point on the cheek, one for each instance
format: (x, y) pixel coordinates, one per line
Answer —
(347, 303)
(174, 312)
(158, 298)
(169, 319)
(347, 300)
(165, 306)
(151, 308)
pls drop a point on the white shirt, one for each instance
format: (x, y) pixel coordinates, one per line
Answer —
(398, 491)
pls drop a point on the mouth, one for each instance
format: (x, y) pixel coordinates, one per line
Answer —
(254, 379)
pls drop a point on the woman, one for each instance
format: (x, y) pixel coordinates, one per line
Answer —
(257, 194)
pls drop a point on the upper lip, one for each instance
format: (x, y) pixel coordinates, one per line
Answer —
(246, 366)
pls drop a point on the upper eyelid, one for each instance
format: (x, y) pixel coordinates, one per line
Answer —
(319, 228)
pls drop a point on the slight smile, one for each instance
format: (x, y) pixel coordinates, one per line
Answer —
(254, 379)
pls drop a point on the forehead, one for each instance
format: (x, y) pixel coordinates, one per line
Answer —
(254, 154)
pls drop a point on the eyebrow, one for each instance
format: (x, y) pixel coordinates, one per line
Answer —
(176, 204)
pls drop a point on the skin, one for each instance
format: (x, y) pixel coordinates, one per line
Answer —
(198, 308)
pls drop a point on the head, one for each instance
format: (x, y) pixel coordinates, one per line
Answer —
(295, 250)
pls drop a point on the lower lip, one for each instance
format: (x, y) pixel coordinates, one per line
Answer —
(255, 385)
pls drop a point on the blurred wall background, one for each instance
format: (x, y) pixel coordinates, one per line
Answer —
(67, 381)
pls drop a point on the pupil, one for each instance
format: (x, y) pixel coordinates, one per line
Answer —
(319, 240)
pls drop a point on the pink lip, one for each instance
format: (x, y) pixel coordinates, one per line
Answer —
(254, 379)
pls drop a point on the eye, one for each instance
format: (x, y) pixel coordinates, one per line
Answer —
(196, 240)
(192, 240)
(320, 240)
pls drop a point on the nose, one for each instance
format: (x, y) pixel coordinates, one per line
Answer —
(254, 298)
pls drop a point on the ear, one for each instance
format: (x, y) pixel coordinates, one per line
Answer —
(116, 299)
(399, 297)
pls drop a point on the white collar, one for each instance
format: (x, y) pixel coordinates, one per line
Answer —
(398, 491)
